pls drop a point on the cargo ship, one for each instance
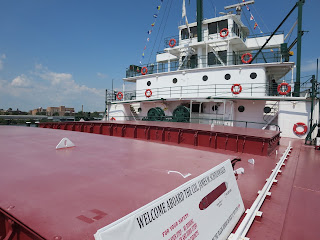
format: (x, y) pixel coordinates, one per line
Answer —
(212, 144)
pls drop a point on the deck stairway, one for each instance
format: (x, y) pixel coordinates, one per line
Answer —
(270, 116)
(134, 110)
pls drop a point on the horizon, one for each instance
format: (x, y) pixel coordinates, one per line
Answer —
(67, 53)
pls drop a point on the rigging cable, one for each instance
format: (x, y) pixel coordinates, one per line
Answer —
(160, 28)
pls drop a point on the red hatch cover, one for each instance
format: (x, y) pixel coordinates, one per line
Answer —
(206, 207)
(71, 193)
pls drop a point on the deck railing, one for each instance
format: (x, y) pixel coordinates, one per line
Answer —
(193, 62)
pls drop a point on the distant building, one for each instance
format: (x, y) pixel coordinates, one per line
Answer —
(38, 110)
(61, 111)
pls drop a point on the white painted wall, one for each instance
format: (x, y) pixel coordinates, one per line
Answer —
(291, 113)
(191, 85)
(253, 112)
(254, 43)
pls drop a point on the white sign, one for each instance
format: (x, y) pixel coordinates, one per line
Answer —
(206, 207)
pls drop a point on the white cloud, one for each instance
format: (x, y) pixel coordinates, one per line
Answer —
(42, 87)
(102, 75)
(21, 81)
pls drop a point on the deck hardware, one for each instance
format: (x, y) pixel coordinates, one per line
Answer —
(111, 130)
(237, 143)
(268, 194)
(216, 141)
(179, 136)
(65, 143)
(196, 138)
(135, 132)
(163, 135)
(244, 142)
(225, 146)
(253, 212)
(123, 131)
(263, 145)
(148, 133)
(210, 139)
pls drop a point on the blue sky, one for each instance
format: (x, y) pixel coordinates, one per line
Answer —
(66, 52)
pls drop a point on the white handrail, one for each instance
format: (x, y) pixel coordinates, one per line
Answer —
(252, 212)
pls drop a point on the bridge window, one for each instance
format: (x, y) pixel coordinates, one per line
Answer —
(213, 60)
(185, 33)
(216, 27)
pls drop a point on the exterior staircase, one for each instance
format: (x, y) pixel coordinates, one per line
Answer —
(134, 110)
(272, 115)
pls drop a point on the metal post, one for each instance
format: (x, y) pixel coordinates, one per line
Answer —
(313, 81)
(298, 73)
(199, 19)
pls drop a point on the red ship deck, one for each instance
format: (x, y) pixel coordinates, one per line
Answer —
(244, 140)
(71, 193)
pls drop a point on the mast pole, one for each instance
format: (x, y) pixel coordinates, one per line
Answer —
(300, 32)
(199, 19)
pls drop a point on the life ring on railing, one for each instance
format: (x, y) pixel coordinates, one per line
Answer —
(112, 119)
(300, 124)
(148, 93)
(244, 55)
(238, 90)
(172, 44)
(120, 95)
(281, 85)
(144, 70)
(224, 30)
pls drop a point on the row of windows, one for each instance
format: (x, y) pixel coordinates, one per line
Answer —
(227, 76)
(213, 28)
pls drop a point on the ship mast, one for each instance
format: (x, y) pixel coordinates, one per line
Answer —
(199, 19)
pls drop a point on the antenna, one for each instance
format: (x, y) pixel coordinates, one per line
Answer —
(238, 6)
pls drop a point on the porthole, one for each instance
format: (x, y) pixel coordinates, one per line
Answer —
(241, 108)
(205, 78)
(214, 108)
(139, 110)
(174, 80)
(253, 75)
(148, 83)
(227, 76)
(267, 109)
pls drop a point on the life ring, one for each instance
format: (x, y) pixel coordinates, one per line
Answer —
(148, 93)
(119, 95)
(239, 88)
(222, 31)
(281, 85)
(244, 55)
(112, 119)
(300, 124)
(172, 44)
(144, 70)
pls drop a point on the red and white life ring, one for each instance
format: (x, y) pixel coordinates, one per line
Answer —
(281, 85)
(234, 91)
(119, 95)
(144, 70)
(148, 93)
(112, 119)
(245, 55)
(224, 32)
(172, 42)
(300, 124)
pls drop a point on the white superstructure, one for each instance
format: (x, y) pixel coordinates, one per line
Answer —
(218, 80)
